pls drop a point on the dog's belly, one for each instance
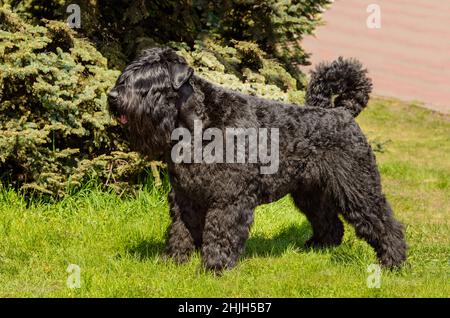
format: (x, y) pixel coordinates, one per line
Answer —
(211, 184)
(275, 186)
(222, 184)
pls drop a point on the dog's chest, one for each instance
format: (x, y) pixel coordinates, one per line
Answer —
(213, 181)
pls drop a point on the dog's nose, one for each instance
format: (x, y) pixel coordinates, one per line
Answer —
(113, 94)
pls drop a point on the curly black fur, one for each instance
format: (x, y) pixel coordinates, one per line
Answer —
(344, 79)
(326, 163)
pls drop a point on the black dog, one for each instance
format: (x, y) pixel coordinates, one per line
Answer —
(325, 161)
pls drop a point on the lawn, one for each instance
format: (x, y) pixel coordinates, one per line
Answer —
(118, 242)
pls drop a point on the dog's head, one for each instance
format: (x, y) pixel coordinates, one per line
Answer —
(147, 97)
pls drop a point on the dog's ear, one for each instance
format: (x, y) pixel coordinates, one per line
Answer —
(179, 74)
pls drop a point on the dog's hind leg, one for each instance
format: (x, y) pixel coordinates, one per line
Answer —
(363, 205)
(225, 234)
(185, 232)
(328, 229)
(373, 221)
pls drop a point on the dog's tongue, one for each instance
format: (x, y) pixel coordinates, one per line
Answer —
(123, 119)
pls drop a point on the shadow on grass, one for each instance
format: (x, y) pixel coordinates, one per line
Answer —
(147, 249)
(292, 237)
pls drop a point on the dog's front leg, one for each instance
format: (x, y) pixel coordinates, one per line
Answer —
(225, 233)
(182, 236)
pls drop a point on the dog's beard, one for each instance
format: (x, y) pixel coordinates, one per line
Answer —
(148, 136)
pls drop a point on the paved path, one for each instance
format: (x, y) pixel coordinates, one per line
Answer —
(408, 57)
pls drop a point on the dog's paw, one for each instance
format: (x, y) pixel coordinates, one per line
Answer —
(218, 265)
(393, 260)
(315, 243)
(176, 256)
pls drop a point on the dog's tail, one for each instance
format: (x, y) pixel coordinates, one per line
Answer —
(342, 83)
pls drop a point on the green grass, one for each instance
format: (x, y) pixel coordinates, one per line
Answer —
(117, 242)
